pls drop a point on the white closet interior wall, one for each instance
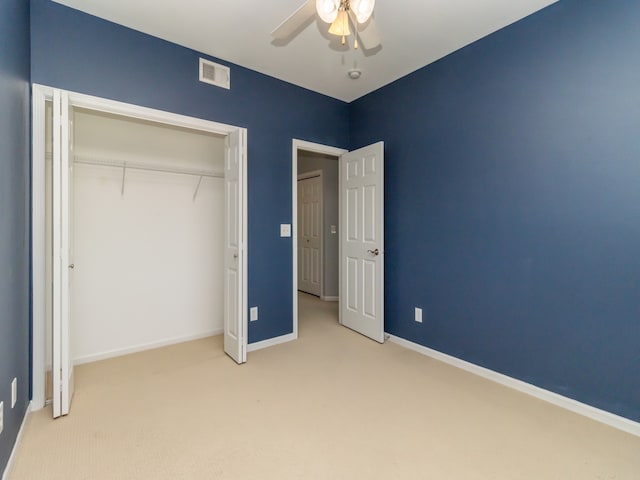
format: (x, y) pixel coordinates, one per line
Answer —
(149, 256)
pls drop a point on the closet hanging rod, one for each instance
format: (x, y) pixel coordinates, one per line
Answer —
(151, 168)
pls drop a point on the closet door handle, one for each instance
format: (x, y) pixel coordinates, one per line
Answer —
(235, 255)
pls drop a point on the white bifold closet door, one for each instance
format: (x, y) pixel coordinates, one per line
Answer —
(362, 241)
(63, 380)
(235, 252)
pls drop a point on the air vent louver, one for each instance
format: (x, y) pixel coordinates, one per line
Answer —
(215, 74)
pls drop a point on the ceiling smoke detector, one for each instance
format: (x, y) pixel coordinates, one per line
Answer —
(354, 74)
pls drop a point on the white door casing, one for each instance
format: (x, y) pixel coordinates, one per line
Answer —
(362, 241)
(310, 235)
(234, 311)
(63, 380)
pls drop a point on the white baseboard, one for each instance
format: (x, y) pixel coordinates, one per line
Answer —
(329, 298)
(145, 346)
(5, 475)
(602, 416)
(252, 347)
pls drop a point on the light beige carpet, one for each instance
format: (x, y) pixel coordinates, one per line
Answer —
(332, 405)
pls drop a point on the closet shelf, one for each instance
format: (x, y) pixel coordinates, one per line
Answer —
(141, 166)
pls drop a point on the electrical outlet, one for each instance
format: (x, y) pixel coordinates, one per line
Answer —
(418, 315)
(285, 230)
(1, 416)
(14, 392)
(253, 314)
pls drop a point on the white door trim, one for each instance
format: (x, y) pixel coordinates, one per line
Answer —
(41, 93)
(309, 147)
(38, 247)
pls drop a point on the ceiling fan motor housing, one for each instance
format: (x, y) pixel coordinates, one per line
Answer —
(328, 9)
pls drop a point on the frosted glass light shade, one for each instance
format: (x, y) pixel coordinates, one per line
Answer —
(362, 9)
(340, 26)
(327, 9)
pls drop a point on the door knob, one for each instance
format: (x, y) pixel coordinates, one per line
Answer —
(72, 266)
(235, 255)
(374, 252)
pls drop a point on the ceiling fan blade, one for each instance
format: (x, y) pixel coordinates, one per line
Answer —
(368, 33)
(295, 21)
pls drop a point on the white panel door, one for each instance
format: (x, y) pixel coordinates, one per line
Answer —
(310, 235)
(235, 252)
(63, 379)
(362, 241)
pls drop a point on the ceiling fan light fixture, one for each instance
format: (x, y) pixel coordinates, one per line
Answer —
(362, 9)
(327, 9)
(340, 25)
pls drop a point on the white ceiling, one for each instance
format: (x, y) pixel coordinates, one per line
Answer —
(414, 33)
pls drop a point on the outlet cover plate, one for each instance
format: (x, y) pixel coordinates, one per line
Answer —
(285, 230)
(418, 315)
(253, 314)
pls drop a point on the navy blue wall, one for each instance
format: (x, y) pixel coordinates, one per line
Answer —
(14, 216)
(81, 53)
(513, 201)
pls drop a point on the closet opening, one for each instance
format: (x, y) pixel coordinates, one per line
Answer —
(156, 222)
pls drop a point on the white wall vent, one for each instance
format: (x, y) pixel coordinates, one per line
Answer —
(215, 74)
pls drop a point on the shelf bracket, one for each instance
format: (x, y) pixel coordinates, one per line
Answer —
(195, 194)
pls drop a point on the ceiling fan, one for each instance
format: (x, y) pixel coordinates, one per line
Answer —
(341, 14)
